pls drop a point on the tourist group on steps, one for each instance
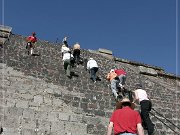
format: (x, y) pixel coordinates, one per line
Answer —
(124, 120)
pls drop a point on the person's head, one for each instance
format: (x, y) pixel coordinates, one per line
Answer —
(33, 33)
(112, 70)
(125, 102)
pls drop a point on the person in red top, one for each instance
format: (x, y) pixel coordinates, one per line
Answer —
(125, 120)
(31, 40)
(121, 75)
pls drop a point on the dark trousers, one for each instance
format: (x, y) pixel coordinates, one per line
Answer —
(76, 54)
(67, 67)
(93, 73)
(145, 109)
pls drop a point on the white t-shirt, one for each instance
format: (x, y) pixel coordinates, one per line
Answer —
(91, 64)
(141, 95)
(67, 56)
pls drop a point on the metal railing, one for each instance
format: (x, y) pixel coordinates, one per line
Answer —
(164, 122)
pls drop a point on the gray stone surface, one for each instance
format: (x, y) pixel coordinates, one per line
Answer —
(37, 98)
(42, 112)
(146, 70)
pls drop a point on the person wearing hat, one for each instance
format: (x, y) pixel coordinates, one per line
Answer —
(141, 97)
(31, 40)
(67, 61)
(92, 66)
(125, 120)
(111, 76)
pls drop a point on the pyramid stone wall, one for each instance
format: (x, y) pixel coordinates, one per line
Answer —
(38, 99)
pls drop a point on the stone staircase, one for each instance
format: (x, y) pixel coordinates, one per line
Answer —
(38, 98)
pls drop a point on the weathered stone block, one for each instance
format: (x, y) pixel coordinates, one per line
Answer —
(76, 118)
(76, 128)
(75, 104)
(53, 116)
(22, 104)
(64, 116)
(28, 131)
(38, 99)
(146, 70)
(105, 51)
(57, 126)
(28, 113)
(57, 102)
(27, 123)
(44, 127)
(5, 28)
(40, 115)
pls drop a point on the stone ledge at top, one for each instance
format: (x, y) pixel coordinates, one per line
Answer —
(2, 40)
(5, 32)
(148, 69)
(143, 68)
(103, 52)
(6, 29)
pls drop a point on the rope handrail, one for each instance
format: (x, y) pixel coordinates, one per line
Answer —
(164, 123)
(166, 118)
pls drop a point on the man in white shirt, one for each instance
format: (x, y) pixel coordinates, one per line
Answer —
(93, 68)
(142, 98)
(67, 62)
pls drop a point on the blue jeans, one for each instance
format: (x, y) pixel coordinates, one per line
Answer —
(122, 79)
(114, 84)
(127, 134)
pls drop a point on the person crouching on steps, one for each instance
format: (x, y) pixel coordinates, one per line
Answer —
(122, 76)
(67, 61)
(111, 76)
(31, 40)
(93, 68)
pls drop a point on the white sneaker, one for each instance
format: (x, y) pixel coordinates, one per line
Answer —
(120, 85)
(31, 51)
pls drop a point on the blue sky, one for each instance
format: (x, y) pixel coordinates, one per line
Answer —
(137, 30)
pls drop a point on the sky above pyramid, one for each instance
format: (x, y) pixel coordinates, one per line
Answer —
(143, 31)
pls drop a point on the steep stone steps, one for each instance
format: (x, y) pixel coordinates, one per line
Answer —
(49, 67)
(94, 100)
